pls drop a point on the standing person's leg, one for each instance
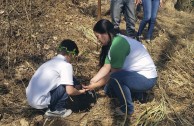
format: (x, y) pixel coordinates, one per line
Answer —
(129, 13)
(154, 12)
(146, 16)
(116, 9)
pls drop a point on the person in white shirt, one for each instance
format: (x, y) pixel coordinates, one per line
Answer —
(53, 82)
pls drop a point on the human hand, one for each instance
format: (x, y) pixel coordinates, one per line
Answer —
(138, 2)
(161, 3)
(89, 87)
(83, 91)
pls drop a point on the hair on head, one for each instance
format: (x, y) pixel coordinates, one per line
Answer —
(103, 26)
(67, 46)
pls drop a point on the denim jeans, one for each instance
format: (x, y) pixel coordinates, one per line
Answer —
(129, 82)
(150, 10)
(127, 7)
(59, 97)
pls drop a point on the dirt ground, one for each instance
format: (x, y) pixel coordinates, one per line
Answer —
(30, 33)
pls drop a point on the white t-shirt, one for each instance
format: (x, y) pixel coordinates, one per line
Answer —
(142, 61)
(131, 55)
(49, 76)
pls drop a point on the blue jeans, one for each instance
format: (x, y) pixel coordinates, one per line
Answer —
(127, 7)
(129, 82)
(150, 10)
(59, 97)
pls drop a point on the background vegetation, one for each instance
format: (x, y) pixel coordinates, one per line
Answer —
(31, 30)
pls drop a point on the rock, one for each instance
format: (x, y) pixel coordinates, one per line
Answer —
(39, 118)
(23, 122)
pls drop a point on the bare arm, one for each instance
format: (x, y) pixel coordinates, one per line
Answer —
(161, 3)
(73, 91)
(101, 82)
(138, 2)
(104, 71)
(101, 78)
(97, 84)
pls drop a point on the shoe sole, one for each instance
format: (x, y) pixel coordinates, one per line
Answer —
(50, 114)
(148, 41)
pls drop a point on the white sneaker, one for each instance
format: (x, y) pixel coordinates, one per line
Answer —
(63, 113)
(139, 38)
(148, 40)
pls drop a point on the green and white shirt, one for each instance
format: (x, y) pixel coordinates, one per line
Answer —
(130, 55)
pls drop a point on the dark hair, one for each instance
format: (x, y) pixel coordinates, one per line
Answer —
(68, 46)
(105, 26)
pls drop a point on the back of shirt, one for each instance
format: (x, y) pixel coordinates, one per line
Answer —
(48, 77)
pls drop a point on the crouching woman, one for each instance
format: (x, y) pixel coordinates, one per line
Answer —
(126, 66)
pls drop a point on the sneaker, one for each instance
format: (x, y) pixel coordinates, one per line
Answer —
(63, 113)
(148, 40)
(119, 112)
(139, 38)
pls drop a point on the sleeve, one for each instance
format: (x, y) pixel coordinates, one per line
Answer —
(119, 50)
(66, 75)
(107, 61)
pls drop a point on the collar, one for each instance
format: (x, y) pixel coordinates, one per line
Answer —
(59, 56)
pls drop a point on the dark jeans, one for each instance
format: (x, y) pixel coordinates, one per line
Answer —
(150, 10)
(129, 82)
(59, 97)
(127, 7)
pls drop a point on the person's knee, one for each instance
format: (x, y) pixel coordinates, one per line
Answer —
(147, 18)
(115, 75)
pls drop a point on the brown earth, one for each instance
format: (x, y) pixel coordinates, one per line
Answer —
(31, 31)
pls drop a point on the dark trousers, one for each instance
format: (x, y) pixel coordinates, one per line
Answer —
(127, 7)
(59, 97)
